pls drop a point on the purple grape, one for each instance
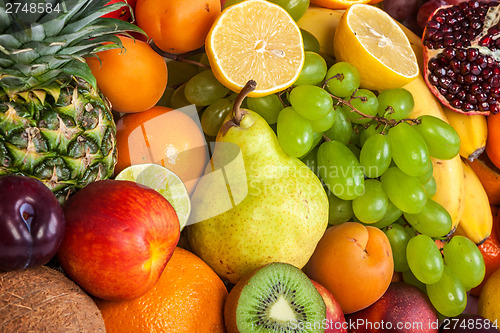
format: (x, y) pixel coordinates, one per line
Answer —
(32, 223)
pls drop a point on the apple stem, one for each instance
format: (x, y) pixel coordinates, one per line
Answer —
(236, 112)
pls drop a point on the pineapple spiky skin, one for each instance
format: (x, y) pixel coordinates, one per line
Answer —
(55, 125)
(64, 136)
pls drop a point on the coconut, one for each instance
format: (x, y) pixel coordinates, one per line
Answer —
(42, 299)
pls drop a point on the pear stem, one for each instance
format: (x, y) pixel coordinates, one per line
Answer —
(236, 112)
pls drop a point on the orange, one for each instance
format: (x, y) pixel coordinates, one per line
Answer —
(493, 141)
(354, 262)
(177, 26)
(164, 136)
(255, 40)
(189, 297)
(489, 175)
(490, 250)
(133, 78)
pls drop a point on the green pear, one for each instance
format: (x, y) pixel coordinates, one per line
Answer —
(255, 204)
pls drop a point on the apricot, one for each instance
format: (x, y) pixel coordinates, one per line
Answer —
(354, 262)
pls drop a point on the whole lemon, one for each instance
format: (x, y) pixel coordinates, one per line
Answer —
(489, 306)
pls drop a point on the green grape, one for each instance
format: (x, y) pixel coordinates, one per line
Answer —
(463, 257)
(342, 79)
(364, 101)
(296, 8)
(213, 116)
(311, 43)
(310, 160)
(339, 210)
(430, 187)
(441, 138)
(406, 192)
(447, 295)
(178, 98)
(373, 128)
(317, 138)
(409, 278)
(311, 102)
(341, 129)
(398, 238)
(267, 106)
(371, 206)
(204, 89)
(325, 123)
(340, 170)
(295, 134)
(428, 173)
(180, 72)
(375, 156)
(395, 103)
(355, 149)
(165, 98)
(424, 259)
(313, 71)
(356, 133)
(392, 214)
(434, 220)
(409, 150)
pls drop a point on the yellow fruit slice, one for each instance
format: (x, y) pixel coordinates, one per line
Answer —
(337, 4)
(163, 180)
(371, 40)
(255, 40)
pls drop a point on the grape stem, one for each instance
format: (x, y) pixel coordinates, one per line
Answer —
(381, 120)
(181, 57)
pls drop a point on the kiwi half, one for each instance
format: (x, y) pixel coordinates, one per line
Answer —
(277, 297)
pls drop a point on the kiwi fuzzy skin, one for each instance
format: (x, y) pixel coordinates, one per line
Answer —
(42, 299)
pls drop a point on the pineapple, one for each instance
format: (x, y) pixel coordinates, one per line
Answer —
(55, 125)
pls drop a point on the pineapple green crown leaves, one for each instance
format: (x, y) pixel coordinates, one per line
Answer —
(39, 48)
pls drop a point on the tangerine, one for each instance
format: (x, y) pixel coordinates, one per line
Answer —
(189, 297)
(489, 176)
(164, 136)
(133, 78)
(490, 249)
(493, 141)
(177, 26)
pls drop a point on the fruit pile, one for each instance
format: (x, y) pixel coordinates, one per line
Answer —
(249, 166)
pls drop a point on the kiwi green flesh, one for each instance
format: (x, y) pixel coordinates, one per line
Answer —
(280, 298)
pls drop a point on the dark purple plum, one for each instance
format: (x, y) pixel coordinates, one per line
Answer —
(32, 223)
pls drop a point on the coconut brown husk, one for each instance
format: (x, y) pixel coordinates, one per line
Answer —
(44, 300)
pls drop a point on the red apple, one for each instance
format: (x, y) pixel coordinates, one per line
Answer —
(335, 320)
(402, 308)
(119, 237)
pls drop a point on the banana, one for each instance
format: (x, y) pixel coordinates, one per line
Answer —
(477, 219)
(473, 132)
(321, 22)
(448, 174)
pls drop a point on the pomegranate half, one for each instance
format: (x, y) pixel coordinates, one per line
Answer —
(462, 56)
